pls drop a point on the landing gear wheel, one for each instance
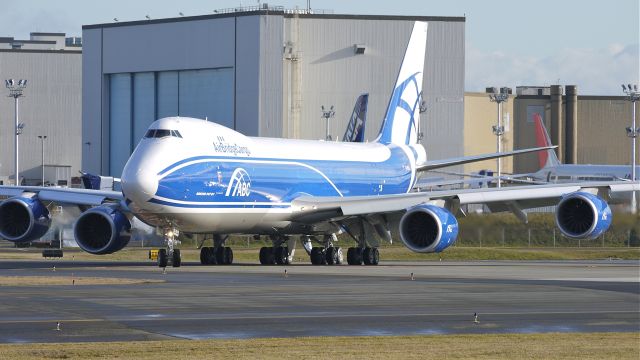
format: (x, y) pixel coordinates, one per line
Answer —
(219, 251)
(317, 256)
(176, 258)
(162, 258)
(339, 256)
(354, 256)
(371, 256)
(228, 254)
(203, 256)
(281, 255)
(331, 255)
(207, 256)
(376, 256)
(267, 256)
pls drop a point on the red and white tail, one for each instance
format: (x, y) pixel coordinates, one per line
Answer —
(545, 158)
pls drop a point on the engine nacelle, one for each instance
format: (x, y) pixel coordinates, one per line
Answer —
(581, 215)
(102, 230)
(23, 219)
(428, 228)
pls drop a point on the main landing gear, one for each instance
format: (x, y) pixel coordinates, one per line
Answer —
(327, 254)
(366, 255)
(218, 254)
(281, 253)
(170, 255)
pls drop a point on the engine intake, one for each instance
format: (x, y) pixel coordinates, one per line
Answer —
(582, 215)
(102, 230)
(428, 228)
(23, 219)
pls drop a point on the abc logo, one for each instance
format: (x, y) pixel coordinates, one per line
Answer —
(240, 183)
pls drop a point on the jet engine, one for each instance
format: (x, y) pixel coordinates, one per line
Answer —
(23, 219)
(428, 228)
(102, 230)
(582, 215)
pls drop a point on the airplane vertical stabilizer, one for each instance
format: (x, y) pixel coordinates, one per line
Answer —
(355, 128)
(545, 158)
(400, 125)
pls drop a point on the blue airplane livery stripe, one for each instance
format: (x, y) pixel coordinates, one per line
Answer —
(210, 179)
(245, 205)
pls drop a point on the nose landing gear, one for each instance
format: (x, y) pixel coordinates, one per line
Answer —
(170, 255)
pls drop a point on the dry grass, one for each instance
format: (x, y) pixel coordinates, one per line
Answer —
(494, 346)
(69, 280)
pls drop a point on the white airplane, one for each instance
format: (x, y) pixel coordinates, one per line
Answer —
(197, 177)
(552, 170)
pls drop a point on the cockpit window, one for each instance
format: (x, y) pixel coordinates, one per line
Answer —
(160, 133)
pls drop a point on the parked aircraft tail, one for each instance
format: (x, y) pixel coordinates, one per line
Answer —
(545, 158)
(355, 128)
(400, 125)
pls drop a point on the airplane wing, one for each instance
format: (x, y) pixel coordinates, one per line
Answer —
(517, 198)
(437, 164)
(63, 195)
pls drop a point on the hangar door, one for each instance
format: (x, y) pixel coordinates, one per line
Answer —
(138, 99)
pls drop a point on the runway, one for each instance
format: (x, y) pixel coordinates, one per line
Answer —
(244, 301)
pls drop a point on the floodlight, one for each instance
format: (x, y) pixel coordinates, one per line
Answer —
(148, 17)
(629, 86)
(24, 82)
(115, 19)
(181, 14)
(6, 83)
(624, 88)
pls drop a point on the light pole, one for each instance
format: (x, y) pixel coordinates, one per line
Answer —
(499, 96)
(632, 95)
(327, 115)
(42, 137)
(15, 91)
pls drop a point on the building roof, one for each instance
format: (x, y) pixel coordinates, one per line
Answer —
(287, 14)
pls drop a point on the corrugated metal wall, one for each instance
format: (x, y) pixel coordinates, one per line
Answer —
(280, 95)
(51, 106)
(332, 74)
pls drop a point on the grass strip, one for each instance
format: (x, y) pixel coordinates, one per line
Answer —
(491, 346)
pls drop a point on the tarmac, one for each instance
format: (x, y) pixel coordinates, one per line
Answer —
(248, 301)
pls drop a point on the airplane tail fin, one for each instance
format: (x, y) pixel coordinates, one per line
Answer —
(355, 128)
(400, 125)
(545, 158)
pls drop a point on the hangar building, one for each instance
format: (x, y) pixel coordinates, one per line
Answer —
(50, 106)
(265, 72)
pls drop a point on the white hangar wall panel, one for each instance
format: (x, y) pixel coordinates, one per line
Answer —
(247, 74)
(443, 90)
(271, 65)
(328, 72)
(50, 105)
(92, 117)
(202, 44)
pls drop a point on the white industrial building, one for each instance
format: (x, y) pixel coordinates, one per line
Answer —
(265, 72)
(50, 106)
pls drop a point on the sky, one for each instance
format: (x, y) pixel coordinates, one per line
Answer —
(589, 43)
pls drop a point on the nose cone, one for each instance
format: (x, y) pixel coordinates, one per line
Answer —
(139, 184)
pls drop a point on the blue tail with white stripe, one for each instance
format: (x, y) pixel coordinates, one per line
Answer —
(400, 125)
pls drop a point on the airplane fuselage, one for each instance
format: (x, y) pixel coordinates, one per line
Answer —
(202, 177)
(580, 172)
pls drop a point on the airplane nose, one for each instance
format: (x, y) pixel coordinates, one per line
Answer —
(139, 185)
